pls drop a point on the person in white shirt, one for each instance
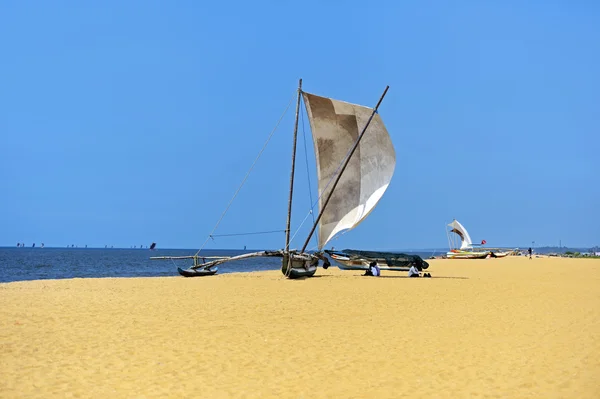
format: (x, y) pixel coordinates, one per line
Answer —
(373, 270)
(413, 271)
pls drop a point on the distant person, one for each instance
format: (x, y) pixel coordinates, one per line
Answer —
(529, 251)
(413, 271)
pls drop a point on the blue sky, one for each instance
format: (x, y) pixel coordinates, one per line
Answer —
(127, 122)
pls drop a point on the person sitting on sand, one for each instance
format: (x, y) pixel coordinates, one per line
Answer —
(373, 270)
(413, 271)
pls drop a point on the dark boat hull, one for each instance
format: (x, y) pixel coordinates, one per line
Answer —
(350, 259)
(298, 272)
(197, 273)
(300, 266)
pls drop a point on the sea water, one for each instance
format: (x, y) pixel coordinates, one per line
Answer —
(18, 264)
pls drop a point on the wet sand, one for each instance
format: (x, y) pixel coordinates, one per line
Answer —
(509, 328)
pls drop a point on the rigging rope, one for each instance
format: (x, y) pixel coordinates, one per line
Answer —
(247, 234)
(299, 227)
(247, 174)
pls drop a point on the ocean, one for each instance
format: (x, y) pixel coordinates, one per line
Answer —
(20, 264)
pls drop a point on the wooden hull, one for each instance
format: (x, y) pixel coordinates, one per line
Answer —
(297, 272)
(197, 272)
(467, 255)
(500, 254)
(351, 264)
(301, 266)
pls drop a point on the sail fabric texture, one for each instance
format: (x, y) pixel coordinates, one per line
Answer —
(465, 238)
(336, 126)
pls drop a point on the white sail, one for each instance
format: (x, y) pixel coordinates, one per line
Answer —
(336, 126)
(465, 238)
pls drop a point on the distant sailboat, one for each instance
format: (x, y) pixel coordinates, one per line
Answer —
(355, 161)
(465, 251)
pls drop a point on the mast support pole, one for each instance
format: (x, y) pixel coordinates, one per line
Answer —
(339, 176)
(289, 215)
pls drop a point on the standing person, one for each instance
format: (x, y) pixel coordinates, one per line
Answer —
(529, 251)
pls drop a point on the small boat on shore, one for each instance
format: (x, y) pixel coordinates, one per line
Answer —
(197, 272)
(458, 254)
(465, 251)
(351, 259)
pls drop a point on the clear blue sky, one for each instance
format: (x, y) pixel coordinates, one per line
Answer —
(127, 122)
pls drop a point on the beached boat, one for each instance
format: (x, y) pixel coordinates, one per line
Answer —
(352, 259)
(355, 162)
(458, 254)
(495, 254)
(465, 251)
(197, 272)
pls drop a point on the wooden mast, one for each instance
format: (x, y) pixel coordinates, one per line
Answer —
(342, 170)
(289, 215)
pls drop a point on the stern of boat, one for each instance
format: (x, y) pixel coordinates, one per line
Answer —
(300, 265)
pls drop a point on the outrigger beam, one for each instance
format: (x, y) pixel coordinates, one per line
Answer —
(208, 265)
(188, 257)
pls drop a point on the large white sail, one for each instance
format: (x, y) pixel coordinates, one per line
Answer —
(465, 238)
(336, 126)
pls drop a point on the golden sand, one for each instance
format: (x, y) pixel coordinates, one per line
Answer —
(510, 328)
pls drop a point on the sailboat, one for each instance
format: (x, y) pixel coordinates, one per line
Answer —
(355, 162)
(466, 250)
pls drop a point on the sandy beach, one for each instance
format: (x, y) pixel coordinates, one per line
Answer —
(507, 328)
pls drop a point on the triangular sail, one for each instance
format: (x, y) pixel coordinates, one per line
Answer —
(465, 238)
(336, 126)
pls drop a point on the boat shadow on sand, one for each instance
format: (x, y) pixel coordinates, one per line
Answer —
(424, 278)
(361, 275)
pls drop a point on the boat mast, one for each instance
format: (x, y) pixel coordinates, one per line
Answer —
(342, 170)
(289, 215)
